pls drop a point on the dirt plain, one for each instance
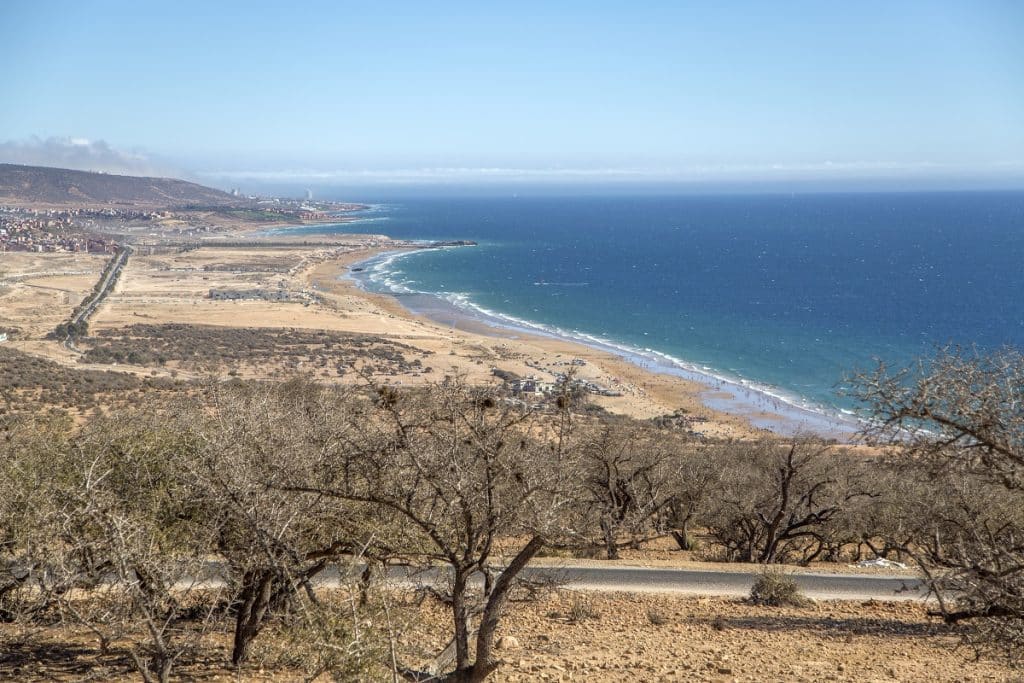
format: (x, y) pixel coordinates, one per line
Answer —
(615, 637)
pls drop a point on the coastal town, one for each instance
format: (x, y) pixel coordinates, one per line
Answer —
(45, 210)
(62, 230)
(102, 230)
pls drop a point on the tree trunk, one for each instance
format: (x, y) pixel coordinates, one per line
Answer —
(682, 537)
(365, 580)
(485, 663)
(461, 619)
(165, 669)
(773, 539)
(157, 670)
(608, 531)
(255, 602)
(751, 550)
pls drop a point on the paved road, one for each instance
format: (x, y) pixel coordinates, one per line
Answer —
(723, 583)
(109, 278)
(736, 583)
(887, 587)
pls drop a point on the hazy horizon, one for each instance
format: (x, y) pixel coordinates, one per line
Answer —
(914, 96)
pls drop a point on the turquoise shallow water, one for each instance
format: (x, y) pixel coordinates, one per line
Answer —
(783, 294)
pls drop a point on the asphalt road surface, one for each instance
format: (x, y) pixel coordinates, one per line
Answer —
(820, 586)
(736, 583)
(720, 583)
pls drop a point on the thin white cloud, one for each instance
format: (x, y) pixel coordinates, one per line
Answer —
(82, 154)
(695, 173)
(424, 174)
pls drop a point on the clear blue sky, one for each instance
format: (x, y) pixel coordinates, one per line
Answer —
(639, 89)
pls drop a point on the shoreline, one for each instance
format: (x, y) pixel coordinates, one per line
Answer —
(473, 348)
(758, 406)
(370, 213)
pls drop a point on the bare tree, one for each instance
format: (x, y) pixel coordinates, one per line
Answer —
(255, 439)
(462, 469)
(885, 525)
(627, 474)
(778, 500)
(956, 421)
(124, 528)
(695, 484)
(129, 534)
(31, 449)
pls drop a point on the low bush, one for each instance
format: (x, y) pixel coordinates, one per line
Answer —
(581, 609)
(775, 589)
(657, 617)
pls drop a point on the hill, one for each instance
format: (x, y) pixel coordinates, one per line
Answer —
(43, 186)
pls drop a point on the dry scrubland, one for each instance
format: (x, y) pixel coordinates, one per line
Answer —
(276, 482)
(160, 336)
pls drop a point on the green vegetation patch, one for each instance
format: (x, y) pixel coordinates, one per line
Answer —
(201, 347)
(28, 382)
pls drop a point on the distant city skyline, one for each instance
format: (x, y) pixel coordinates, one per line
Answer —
(915, 94)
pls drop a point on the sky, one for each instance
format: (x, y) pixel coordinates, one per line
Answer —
(464, 92)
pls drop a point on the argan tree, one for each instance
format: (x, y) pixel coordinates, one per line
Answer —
(778, 501)
(254, 440)
(956, 425)
(628, 474)
(129, 535)
(695, 484)
(461, 469)
(31, 449)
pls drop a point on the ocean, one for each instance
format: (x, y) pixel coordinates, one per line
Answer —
(779, 296)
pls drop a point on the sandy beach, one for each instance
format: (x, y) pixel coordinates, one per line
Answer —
(174, 287)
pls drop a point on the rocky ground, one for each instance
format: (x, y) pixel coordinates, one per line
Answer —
(575, 636)
(628, 637)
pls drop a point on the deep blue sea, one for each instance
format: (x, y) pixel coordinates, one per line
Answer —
(788, 293)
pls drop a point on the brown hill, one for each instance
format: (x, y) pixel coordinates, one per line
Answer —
(43, 186)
